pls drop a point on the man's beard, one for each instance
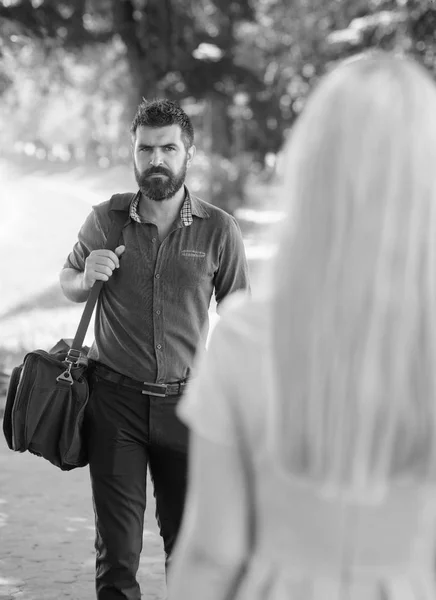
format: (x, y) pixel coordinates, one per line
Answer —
(160, 188)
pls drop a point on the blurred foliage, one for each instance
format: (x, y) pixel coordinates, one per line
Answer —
(73, 71)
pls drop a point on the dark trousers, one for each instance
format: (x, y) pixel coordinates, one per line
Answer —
(127, 432)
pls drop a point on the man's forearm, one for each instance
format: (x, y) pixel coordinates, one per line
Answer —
(72, 285)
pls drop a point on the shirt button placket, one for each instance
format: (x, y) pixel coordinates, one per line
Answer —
(157, 321)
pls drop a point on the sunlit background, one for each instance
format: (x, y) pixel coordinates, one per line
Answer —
(71, 75)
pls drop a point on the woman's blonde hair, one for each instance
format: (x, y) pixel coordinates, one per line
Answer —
(353, 314)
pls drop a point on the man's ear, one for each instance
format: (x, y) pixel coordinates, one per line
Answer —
(191, 153)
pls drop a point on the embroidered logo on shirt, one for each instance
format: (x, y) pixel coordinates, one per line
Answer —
(193, 253)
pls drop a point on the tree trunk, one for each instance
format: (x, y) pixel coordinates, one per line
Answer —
(150, 38)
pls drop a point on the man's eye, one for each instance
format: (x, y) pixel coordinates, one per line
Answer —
(170, 148)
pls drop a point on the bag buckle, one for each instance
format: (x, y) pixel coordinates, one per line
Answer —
(73, 356)
(66, 375)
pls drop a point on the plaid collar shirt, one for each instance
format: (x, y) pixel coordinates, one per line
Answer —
(185, 211)
(153, 313)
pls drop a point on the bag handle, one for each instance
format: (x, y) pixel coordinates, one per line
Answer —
(118, 222)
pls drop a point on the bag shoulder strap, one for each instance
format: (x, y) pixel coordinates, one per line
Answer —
(119, 204)
(121, 201)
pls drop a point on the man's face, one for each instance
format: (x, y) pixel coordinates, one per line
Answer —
(160, 161)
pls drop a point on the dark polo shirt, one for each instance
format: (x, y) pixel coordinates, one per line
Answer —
(152, 314)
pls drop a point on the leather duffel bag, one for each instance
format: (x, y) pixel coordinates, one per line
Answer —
(45, 407)
(48, 393)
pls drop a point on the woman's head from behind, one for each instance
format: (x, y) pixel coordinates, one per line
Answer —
(355, 275)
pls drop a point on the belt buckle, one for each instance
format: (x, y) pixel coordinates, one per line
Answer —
(160, 385)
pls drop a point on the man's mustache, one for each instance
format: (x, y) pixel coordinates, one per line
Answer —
(156, 171)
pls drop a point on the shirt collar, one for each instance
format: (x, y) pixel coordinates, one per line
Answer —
(189, 208)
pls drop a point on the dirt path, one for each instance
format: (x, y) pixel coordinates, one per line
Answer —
(47, 533)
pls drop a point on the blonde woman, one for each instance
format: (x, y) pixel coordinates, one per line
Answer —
(313, 416)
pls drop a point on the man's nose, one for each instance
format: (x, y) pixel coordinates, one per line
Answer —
(156, 158)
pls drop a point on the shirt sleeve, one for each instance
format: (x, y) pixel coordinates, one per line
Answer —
(232, 274)
(208, 406)
(90, 237)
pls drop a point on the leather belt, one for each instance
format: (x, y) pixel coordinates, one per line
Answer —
(150, 389)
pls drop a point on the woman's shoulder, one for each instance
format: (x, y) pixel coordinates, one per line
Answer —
(242, 309)
(242, 350)
(243, 318)
(239, 341)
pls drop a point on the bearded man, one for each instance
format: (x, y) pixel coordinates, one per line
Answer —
(174, 252)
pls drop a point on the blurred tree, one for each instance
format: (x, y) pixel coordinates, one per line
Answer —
(176, 48)
(293, 42)
(72, 109)
(243, 68)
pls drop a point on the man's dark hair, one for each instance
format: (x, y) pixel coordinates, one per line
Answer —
(162, 113)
